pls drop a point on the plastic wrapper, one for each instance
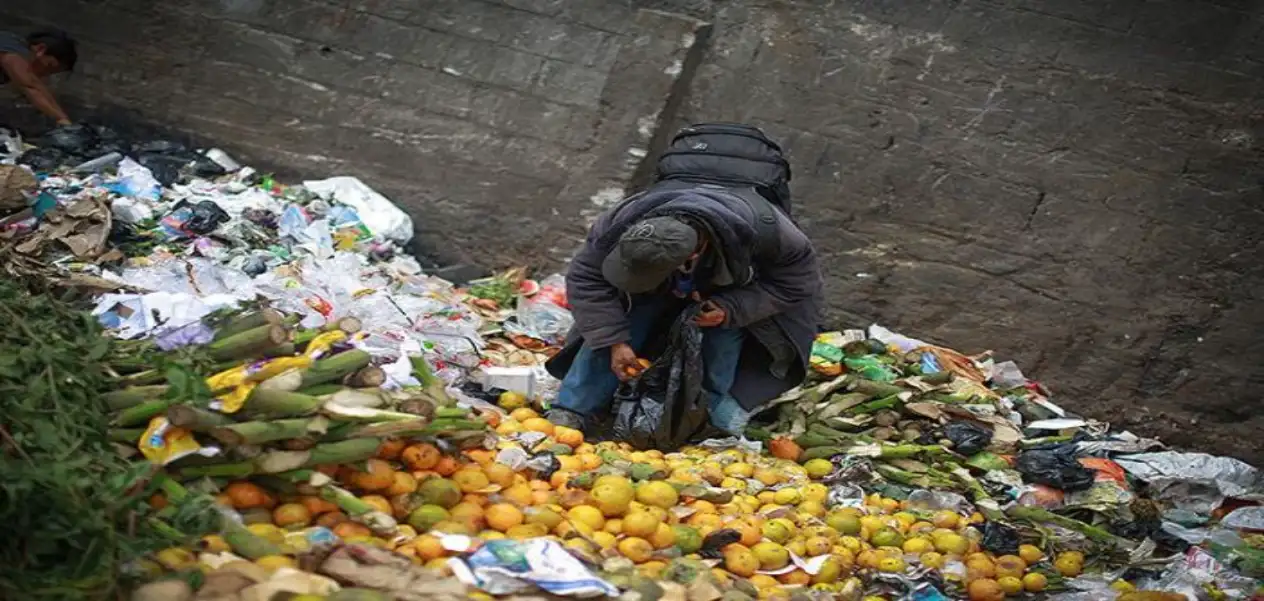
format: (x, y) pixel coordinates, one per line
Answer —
(1244, 518)
(135, 181)
(540, 318)
(1055, 467)
(380, 215)
(665, 406)
(1195, 482)
(507, 566)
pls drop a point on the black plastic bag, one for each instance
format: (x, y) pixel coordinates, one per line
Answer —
(198, 219)
(165, 167)
(666, 405)
(42, 159)
(713, 545)
(72, 139)
(1000, 539)
(1054, 466)
(968, 437)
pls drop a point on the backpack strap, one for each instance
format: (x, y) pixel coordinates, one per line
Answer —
(767, 234)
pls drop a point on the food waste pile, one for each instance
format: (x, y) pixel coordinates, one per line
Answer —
(227, 388)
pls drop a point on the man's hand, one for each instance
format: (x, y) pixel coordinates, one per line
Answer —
(623, 362)
(711, 315)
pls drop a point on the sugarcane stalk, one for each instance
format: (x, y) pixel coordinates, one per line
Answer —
(875, 389)
(377, 521)
(281, 403)
(939, 377)
(821, 452)
(133, 396)
(142, 413)
(249, 321)
(128, 436)
(236, 470)
(197, 420)
(440, 426)
(249, 343)
(321, 390)
(334, 368)
(430, 383)
(369, 376)
(262, 431)
(287, 349)
(1040, 514)
(246, 543)
(347, 451)
(142, 378)
(889, 402)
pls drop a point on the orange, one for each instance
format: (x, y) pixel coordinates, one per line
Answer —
(331, 519)
(503, 516)
(636, 549)
(420, 456)
(391, 448)
(523, 414)
(428, 547)
(402, 484)
(1030, 553)
(470, 513)
(471, 480)
(750, 530)
(640, 523)
(1012, 585)
(351, 529)
(538, 424)
(560, 478)
(291, 514)
(378, 502)
(664, 536)
(499, 473)
(377, 475)
(446, 466)
(475, 499)
(316, 505)
(481, 456)
(1035, 582)
(518, 494)
(985, 589)
(590, 461)
(589, 515)
(797, 577)
(1010, 565)
(570, 463)
(248, 495)
(739, 560)
(567, 436)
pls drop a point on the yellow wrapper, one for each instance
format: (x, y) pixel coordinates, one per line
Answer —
(163, 443)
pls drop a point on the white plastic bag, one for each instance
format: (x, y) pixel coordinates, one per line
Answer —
(380, 215)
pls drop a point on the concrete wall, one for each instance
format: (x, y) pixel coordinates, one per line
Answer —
(1074, 184)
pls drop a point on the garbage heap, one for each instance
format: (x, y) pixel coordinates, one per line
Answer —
(270, 401)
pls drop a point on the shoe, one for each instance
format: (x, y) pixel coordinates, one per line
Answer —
(565, 417)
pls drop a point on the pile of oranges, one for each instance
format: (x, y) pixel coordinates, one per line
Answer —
(785, 534)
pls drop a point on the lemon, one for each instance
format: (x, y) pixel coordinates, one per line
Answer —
(891, 564)
(739, 470)
(815, 492)
(510, 400)
(658, 494)
(771, 556)
(641, 524)
(818, 468)
(787, 496)
(275, 562)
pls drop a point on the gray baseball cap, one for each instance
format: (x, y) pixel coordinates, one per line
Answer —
(648, 252)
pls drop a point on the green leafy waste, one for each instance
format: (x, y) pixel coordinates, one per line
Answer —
(75, 511)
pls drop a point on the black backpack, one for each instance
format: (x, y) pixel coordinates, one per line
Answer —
(729, 154)
(733, 155)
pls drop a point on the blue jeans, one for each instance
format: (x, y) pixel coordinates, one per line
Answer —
(589, 386)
